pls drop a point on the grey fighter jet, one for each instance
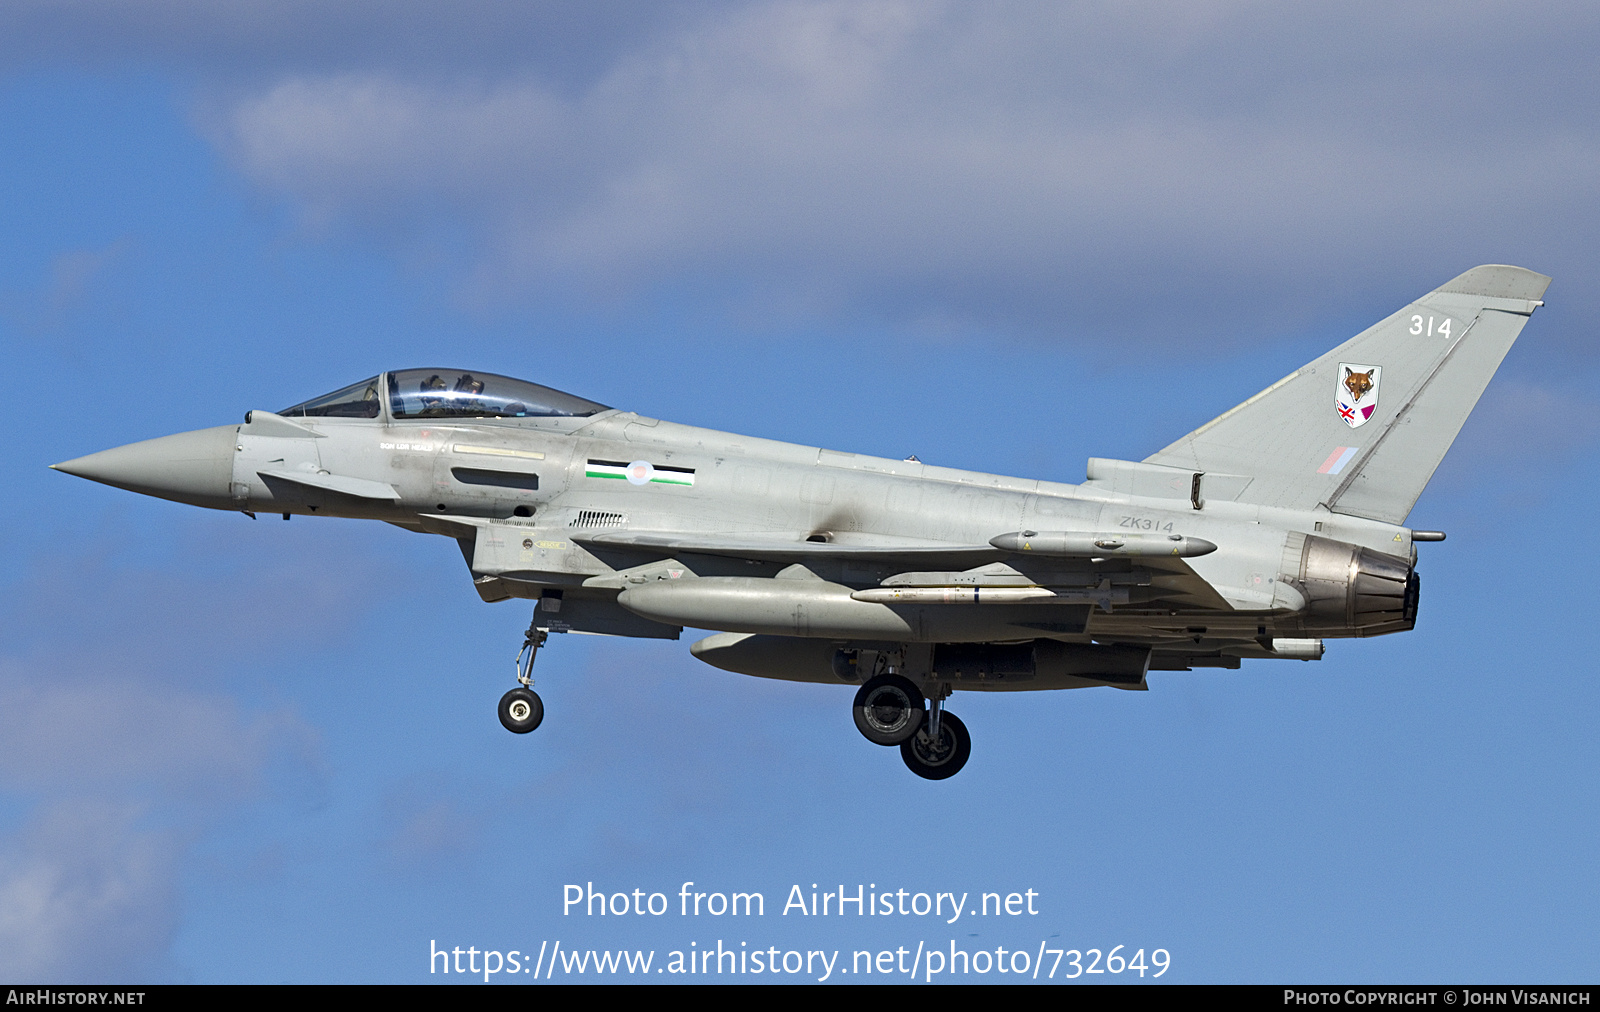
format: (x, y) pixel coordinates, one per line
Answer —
(1274, 527)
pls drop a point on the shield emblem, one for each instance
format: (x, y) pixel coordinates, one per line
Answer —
(1355, 392)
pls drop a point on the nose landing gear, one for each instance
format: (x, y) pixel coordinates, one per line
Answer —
(521, 709)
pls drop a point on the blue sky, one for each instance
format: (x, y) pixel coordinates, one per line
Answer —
(1000, 238)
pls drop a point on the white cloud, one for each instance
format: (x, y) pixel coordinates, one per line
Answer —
(1530, 434)
(120, 762)
(1212, 171)
(120, 733)
(1015, 165)
(87, 895)
(88, 889)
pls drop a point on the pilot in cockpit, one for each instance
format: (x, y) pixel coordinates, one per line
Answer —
(432, 390)
(466, 400)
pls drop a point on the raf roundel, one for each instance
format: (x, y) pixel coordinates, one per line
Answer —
(640, 472)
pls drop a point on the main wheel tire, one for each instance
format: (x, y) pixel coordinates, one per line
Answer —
(888, 710)
(521, 710)
(932, 760)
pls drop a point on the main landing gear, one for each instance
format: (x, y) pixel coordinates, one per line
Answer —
(889, 710)
(939, 750)
(521, 709)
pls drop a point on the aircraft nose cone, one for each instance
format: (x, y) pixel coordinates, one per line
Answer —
(190, 467)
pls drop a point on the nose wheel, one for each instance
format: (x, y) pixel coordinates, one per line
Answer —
(521, 710)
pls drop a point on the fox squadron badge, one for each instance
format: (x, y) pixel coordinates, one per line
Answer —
(1356, 392)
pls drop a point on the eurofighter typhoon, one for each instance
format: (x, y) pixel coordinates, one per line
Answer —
(1276, 526)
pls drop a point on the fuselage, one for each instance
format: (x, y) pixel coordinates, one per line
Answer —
(546, 504)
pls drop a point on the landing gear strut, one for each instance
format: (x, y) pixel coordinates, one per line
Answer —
(521, 709)
(940, 749)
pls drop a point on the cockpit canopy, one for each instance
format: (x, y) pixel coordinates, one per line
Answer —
(445, 393)
(359, 400)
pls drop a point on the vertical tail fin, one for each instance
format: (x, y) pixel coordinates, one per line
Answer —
(1361, 429)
